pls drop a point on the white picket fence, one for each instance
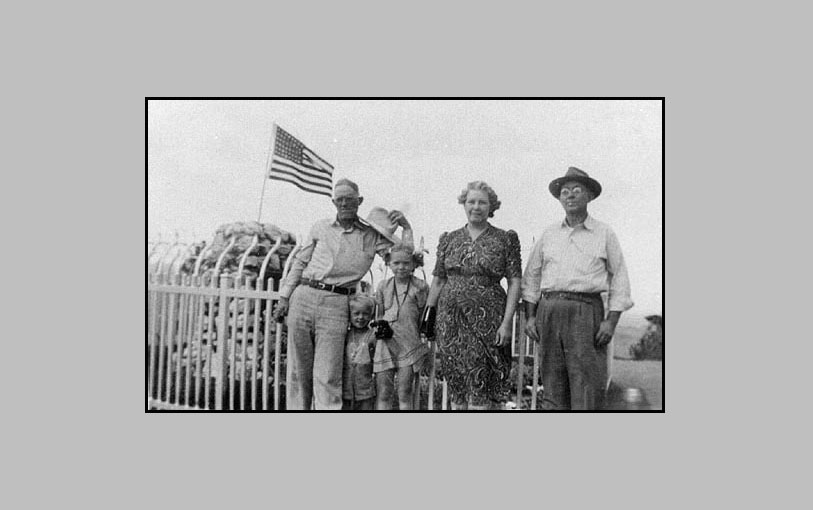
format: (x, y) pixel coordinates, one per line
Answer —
(213, 345)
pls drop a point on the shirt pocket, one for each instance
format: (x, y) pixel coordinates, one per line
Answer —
(589, 258)
(359, 265)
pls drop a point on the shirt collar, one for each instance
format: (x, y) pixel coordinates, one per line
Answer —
(358, 223)
(589, 223)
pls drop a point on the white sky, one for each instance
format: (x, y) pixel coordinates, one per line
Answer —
(206, 162)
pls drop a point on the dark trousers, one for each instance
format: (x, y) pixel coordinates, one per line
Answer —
(367, 404)
(574, 371)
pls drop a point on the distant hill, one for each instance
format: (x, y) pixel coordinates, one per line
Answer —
(629, 331)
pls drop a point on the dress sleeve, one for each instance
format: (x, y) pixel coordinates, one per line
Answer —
(440, 259)
(513, 266)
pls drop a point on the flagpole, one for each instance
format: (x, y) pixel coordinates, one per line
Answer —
(267, 169)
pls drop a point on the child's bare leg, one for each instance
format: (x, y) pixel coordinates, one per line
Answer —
(405, 381)
(385, 384)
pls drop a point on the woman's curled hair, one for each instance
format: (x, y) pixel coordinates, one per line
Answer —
(493, 202)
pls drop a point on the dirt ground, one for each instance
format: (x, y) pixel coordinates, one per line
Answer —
(627, 373)
(644, 375)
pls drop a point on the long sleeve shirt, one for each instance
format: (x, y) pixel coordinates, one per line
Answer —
(334, 255)
(585, 258)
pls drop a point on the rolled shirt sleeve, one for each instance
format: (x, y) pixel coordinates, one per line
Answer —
(619, 299)
(532, 277)
(298, 264)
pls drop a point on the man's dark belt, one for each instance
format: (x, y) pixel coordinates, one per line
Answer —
(347, 291)
(584, 297)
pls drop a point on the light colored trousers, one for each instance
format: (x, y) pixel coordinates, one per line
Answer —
(317, 327)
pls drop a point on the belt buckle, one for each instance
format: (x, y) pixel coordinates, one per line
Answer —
(320, 285)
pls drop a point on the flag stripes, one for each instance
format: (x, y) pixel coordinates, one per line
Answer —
(315, 162)
(294, 163)
(281, 165)
(302, 180)
(278, 178)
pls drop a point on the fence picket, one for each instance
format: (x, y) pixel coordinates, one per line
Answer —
(190, 336)
(267, 352)
(243, 345)
(255, 345)
(519, 333)
(277, 347)
(211, 332)
(222, 343)
(199, 299)
(182, 299)
(153, 319)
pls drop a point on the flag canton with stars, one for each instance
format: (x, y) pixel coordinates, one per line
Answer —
(288, 147)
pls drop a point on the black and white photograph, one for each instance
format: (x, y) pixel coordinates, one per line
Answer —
(401, 254)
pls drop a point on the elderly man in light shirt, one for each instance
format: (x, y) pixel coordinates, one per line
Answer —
(315, 294)
(571, 264)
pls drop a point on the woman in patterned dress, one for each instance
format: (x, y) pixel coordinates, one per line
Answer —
(474, 314)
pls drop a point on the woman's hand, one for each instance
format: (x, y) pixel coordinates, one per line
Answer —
(503, 335)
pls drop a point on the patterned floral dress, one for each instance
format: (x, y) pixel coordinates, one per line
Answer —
(471, 309)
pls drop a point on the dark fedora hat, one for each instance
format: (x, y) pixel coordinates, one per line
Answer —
(574, 174)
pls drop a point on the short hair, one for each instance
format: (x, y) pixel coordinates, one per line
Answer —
(493, 202)
(346, 182)
(417, 257)
(362, 301)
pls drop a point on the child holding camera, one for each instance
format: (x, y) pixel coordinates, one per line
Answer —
(401, 300)
(358, 385)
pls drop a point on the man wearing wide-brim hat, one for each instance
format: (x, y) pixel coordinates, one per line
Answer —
(570, 266)
(315, 294)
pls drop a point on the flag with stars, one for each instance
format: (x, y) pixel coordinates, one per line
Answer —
(294, 163)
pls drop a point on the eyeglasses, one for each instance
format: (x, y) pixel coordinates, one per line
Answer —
(345, 200)
(575, 191)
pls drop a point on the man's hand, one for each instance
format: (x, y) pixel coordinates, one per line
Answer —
(281, 310)
(398, 218)
(606, 330)
(530, 329)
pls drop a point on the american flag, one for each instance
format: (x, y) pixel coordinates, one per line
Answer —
(293, 162)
